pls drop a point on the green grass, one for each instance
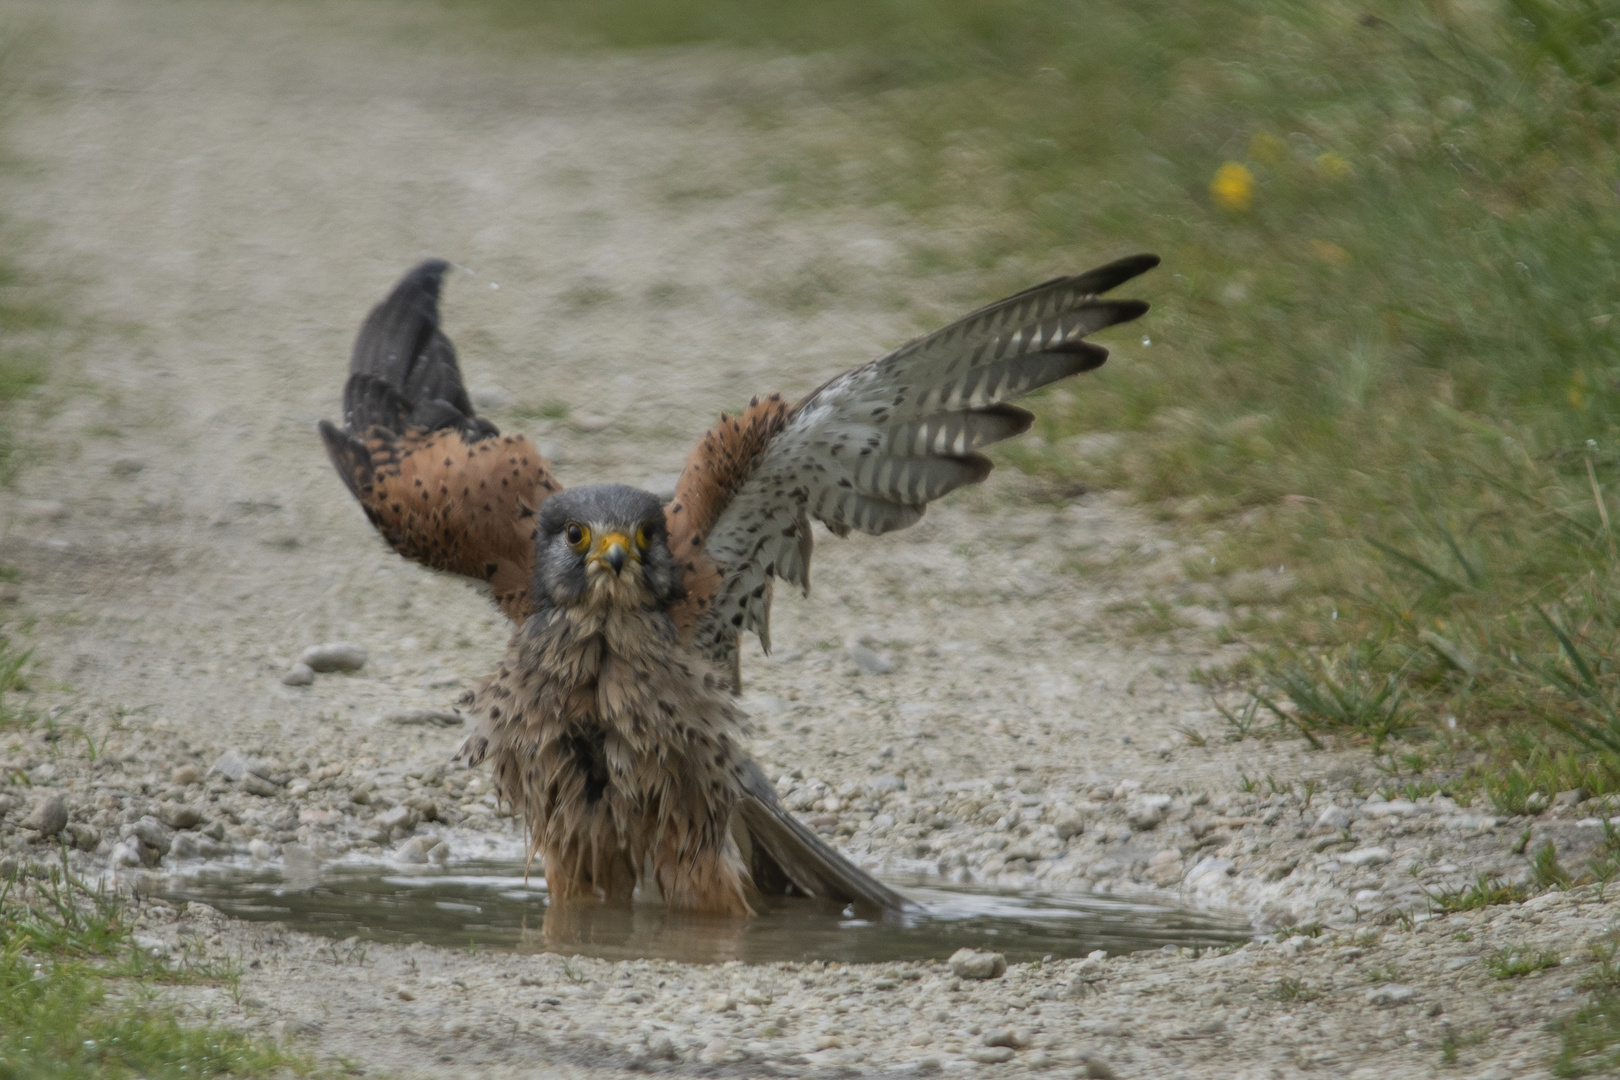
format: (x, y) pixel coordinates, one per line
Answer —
(75, 997)
(1483, 892)
(1514, 963)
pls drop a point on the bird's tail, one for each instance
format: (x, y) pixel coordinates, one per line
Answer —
(782, 852)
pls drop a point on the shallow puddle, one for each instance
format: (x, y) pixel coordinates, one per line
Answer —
(488, 905)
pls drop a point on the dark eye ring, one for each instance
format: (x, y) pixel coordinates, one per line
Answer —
(643, 537)
(577, 535)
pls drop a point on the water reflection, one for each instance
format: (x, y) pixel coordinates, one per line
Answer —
(490, 905)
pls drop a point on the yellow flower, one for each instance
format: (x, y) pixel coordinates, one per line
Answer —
(1333, 166)
(1232, 187)
(1266, 148)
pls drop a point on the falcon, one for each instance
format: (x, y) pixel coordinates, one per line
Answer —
(611, 725)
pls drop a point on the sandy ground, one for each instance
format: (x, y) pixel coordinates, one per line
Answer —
(224, 189)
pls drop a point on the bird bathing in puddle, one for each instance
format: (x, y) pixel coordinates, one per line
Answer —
(611, 726)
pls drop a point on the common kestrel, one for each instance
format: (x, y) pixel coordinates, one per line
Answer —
(611, 725)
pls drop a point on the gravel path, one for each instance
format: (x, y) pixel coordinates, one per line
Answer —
(225, 188)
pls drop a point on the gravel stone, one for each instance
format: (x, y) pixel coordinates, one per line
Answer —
(424, 718)
(334, 656)
(153, 833)
(254, 784)
(1390, 994)
(1333, 817)
(1373, 856)
(972, 964)
(299, 674)
(49, 817)
(990, 1055)
(179, 815)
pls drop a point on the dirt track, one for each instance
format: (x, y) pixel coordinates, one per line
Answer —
(224, 189)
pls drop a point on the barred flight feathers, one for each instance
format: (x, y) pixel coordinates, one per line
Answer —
(873, 447)
(441, 484)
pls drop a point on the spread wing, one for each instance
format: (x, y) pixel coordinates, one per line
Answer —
(440, 483)
(872, 448)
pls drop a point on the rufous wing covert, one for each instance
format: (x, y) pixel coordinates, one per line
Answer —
(867, 452)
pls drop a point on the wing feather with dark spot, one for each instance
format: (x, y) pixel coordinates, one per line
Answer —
(441, 484)
(873, 447)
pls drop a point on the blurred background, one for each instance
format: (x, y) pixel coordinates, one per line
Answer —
(1381, 366)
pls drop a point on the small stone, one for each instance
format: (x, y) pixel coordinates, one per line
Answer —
(490, 396)
(869, 662)
(185, 775)
(990, 1055)
(424, 718)
(1333, 817)
(334, 656)
(254, 784)
(972, 964)
(1010, 1037)
(83, 837)
(1070, 827)
(1572, 797)
(1147, 811)
(150, 945)
(719, 1051)
(179, 816)
(401, 818)
(1373, 856)
(127, 465)
(719, 1003)
(414, 850)
(129, 852)
(1390, 994)
(439, 853)
(261, 850)
(661, 1047)
(8, 869)
(589, 422)
(300, 674)
(153, 833)
(49, 817)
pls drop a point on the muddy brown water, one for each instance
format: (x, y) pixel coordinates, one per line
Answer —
(488, 905)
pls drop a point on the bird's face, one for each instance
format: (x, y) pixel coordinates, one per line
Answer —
(604, 546)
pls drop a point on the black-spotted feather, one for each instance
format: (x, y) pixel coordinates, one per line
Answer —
(870, 449)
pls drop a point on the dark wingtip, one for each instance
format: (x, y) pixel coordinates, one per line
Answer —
(1116, 273)
(348, 455)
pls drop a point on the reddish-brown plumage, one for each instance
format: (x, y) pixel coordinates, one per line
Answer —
(468, 513)
(718, 465)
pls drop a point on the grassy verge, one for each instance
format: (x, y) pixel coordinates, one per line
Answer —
(1383, 365)
(76, 1000)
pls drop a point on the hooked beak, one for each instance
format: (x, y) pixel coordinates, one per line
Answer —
(613, 549)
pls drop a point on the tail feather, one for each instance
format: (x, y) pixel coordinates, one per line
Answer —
(783, 850)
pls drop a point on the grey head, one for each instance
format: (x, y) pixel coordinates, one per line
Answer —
(604, 546)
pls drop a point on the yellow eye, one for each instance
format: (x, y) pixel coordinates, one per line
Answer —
(577, 535)
(643, 537)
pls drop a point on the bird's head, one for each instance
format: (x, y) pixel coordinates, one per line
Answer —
(605, 546)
